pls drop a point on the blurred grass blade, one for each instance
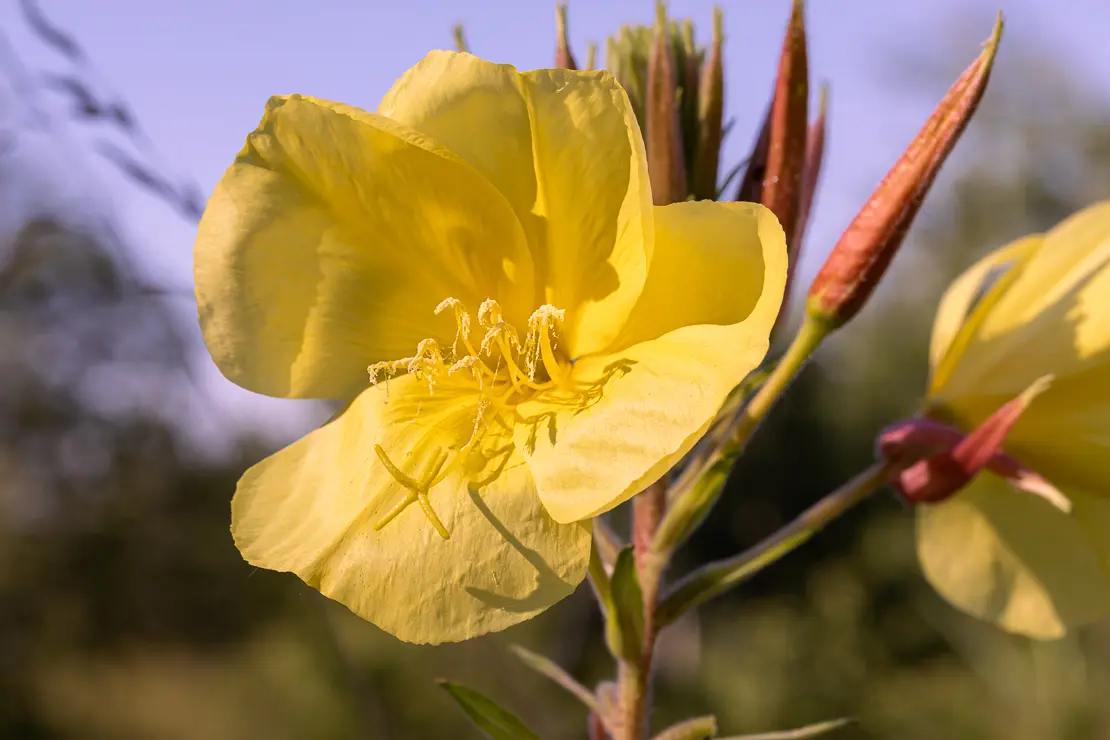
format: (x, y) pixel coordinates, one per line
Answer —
(494, 720)
(698, 728)
(802, 733)
(555, 672)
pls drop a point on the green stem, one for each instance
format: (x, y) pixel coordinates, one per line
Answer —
(634, 673)
(809, 336)
(715, 578)
(699, 486)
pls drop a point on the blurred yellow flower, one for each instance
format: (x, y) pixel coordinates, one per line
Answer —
(1038, 307)
(541, 341)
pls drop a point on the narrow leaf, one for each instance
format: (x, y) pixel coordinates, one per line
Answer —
(555, 672)
(698, 728)
(801, 733)
(495, 721)
(628, 602)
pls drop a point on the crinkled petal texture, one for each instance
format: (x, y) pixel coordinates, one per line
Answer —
(312, 509)
(1015, 560)
(329, 242)
(565, 150)
(1040, 306)
(702, 323)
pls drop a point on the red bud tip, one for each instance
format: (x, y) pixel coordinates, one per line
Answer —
(860, 258)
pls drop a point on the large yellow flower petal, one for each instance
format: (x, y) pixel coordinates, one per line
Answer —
(312, 508)
(702, 324)
(1013, 559)
(565, 149)
(331, 239)
(1052, 319)
(969, 299)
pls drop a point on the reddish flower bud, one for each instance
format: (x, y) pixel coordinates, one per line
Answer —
(663, 139)
(563, 58)
(864, 251)
(789, 122)
(937, 460)
(750, 189)
(811, 174)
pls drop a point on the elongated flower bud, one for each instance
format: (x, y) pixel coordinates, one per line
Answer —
(789, 122)
(666, 167)
(864, 251)
(811, 174)
(750, 188)
(711, 106)
(563, 57)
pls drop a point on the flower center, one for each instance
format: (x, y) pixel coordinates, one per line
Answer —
(503, 369)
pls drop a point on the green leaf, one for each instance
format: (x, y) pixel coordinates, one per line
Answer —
(495, 721)
(799, 734)
(698, 728)
(552, 670)
(628, 601)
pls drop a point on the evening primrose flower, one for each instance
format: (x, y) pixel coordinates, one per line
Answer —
(1036, 309)
(523, 340)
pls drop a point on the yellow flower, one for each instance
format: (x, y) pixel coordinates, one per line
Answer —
(1038, 307)
(541, 342)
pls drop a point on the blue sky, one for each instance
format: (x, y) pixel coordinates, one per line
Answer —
(197, 73)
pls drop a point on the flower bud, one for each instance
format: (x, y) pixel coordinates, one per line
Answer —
(750, 189)
(937, 461)
(666, 165)
(789, 122)
(563, 57)
(811, 175)
(710, 107)
(864, 251)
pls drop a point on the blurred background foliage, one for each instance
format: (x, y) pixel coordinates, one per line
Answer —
(126, 612)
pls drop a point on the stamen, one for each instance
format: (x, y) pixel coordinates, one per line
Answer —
(543, 326)
(462, 325)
